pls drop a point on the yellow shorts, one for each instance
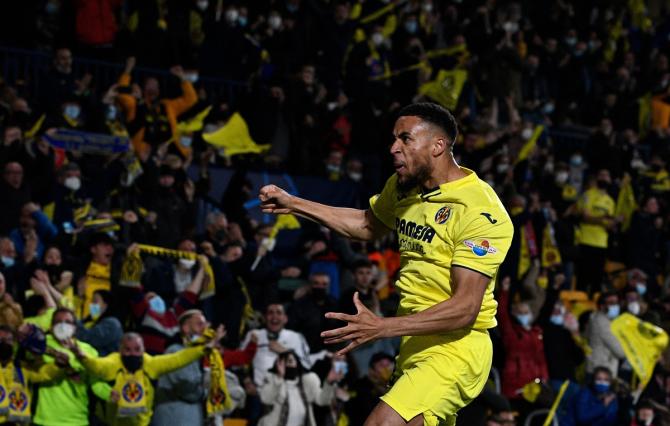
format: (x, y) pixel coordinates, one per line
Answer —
(438, 375)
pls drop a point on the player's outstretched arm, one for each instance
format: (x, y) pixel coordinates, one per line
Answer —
(460, 311)
(352, 223)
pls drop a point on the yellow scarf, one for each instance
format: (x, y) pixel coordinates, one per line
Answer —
(218, 397)
(132, 393)
(15, 398)
(132, 268)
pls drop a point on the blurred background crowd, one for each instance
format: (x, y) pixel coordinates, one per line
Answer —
(563, 108)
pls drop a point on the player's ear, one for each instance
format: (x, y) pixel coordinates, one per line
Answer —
(440, 145)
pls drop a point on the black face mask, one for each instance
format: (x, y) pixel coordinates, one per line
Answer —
(132, 362)
(291, 373)
(603, 184)
(221, 235)
(319, 293)
(6, 351)
(54, 272)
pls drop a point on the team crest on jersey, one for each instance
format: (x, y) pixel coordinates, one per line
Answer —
(18, 400)
(443, 215)
(3, 394)
(481, 248)
(132, 392)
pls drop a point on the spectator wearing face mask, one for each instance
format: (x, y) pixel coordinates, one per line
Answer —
(18, 379)
(524, 349)
(560, 333)
(291, 391)
(68, 195)
(596, 404)
(606, 349)
(101, 329)
(60, 83)
(158, 322)
(307, 313)
(66, 401)
(133, 370)
(596, 212)
(645, 415)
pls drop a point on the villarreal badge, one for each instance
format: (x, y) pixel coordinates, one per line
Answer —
(442, 215)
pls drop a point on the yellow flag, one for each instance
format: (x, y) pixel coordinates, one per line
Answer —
(625, 203)
(528, 147)
(446, 88)
(551, 256)
(234, 138)
(642, 342)
(30, 133)
(644, 114)
(284, 221)
(194, 124)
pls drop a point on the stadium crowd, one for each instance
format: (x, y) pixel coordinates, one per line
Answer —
(129, 296)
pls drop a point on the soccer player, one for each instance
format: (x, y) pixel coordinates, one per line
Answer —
(453, 233)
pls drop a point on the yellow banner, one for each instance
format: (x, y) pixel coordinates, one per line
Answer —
(642, 342)
(528, 147)
(625, 203)
(446, 88)
(234, 138)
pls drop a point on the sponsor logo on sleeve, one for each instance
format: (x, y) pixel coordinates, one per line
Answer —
(481, 248)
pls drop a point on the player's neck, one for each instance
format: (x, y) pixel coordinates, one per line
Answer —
(445, 170)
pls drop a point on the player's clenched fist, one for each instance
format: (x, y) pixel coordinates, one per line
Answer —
(275, 200)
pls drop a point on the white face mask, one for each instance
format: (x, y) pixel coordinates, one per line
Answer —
(355, 176)
(203, 4)
(634, 308)
(186, 141)
(187, 263)
(63, 331)
(232, 15)
(73, 183)
(275, 22)
(561, 177)
(526, 133)
(377, 39)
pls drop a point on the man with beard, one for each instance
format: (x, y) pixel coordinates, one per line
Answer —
(453, 233)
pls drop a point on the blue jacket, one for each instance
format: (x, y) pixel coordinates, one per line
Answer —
(45, 230)
(587, 409)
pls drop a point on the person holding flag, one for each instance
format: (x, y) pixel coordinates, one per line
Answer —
(453, 234)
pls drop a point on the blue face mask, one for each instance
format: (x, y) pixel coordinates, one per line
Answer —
(111, 113)
(524, 319)
(72, 111)
(95, 310)
(8, 261)
(157, 305)
(601, 387)
(613, 311)
(411, 27)
(641, 289)
(556, 319)
(242, 21)
(292, 8)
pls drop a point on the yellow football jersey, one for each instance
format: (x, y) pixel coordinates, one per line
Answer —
(596, 204)
(461, 223)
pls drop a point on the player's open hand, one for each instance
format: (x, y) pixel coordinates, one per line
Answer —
(275, 200)
(363, 327)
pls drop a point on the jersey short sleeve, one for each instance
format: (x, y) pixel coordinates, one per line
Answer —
(383, 205)
(483, 241)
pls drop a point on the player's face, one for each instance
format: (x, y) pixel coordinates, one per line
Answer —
(411, 151)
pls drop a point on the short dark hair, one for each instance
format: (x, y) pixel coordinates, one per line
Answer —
(434, 114)
(604, 295)
(361, 263)
(61, 310)
(602, 369)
